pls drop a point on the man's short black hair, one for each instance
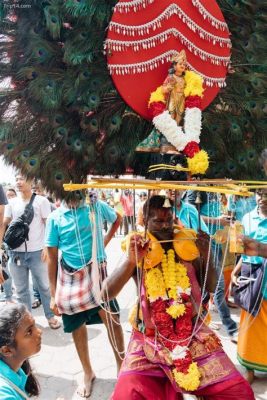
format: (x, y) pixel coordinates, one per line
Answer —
(155, 203)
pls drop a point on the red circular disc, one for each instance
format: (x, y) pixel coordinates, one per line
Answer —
(143, 34)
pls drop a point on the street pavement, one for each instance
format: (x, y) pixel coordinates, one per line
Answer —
(59, 370)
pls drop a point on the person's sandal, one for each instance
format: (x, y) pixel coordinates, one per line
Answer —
(54, 323)
(36, 303)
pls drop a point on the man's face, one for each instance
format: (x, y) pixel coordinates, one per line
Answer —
(160, 223)
(143, 197)
(10, 194)
(172, 196)
(261, 200)
(38, 190)
(22, 184)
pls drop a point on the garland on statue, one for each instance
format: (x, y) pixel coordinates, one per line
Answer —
(168, 291)
(184, 139)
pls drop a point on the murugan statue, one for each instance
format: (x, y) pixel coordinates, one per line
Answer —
(173, 87)
(173, 90)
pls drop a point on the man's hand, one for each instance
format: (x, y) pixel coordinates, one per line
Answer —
(224, 220)
(233, 281)
(137, 249)
(251, 246)
(44, 255)
(53, 307)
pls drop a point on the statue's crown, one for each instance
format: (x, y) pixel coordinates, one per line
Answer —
(179, 57)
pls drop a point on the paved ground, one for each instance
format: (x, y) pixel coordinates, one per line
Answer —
(59, 370)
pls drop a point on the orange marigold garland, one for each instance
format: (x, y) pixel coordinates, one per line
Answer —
(168, 291)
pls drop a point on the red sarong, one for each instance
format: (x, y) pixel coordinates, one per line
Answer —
(141, 387)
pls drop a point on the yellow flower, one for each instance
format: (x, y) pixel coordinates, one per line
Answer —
(189, 381)
(132, 315)
(182, 277)
(193, 84)
(184, 282)
(155, 284)
(176, 310)
(156, 96)
(199, 163)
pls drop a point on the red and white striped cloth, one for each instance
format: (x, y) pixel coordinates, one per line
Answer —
(74, 292)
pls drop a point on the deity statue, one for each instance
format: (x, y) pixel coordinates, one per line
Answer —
(176, 110)
(173, 87)
(173, 91)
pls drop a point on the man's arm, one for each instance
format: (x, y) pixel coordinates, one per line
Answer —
(3, 226)
(115, 282)
(52, 262)
(205, 261)
(253, 247)
(112, 230)
(2, 210)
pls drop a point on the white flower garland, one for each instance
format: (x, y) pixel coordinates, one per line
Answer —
(174, 133)
(179, 352)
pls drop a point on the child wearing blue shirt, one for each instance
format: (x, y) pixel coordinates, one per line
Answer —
(19, 339)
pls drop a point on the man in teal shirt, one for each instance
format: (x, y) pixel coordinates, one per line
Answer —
(186, 213)
(75, 229)
(255, 226)
(210, 211)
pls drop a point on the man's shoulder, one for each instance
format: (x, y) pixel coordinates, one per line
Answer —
(104, 205)
(251, 214)
(188, 206)
(55, 214)
(41, 200)
(15, 202)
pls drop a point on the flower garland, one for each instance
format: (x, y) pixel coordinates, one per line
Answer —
(168, 291)
(184, 140)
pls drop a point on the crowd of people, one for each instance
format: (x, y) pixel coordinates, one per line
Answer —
(173, 346)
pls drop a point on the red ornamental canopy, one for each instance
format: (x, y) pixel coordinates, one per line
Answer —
(144, 34)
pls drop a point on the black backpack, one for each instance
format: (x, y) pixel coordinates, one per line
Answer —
(17, 232)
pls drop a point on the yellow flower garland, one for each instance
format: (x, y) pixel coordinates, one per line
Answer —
(155, 284)
(176, 310)
(189, 381)
(173, 276)
(193, 84)
(158, 283)
(199, 163)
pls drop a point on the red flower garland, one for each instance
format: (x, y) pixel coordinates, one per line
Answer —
(191, 149)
